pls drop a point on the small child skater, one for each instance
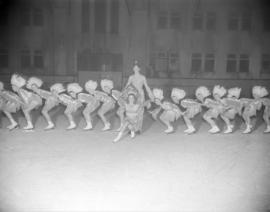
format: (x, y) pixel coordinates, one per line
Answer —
(30, 100)
(233, 107)
(170, 111)
(9, 103)
(71, 102)
(50, 97)
(251, 106)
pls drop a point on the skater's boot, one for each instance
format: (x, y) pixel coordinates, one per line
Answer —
(229, 129)
(29, 126)
(169, 129)
(214, 129)
(106, 127)
(71, 126)
(190, 130)
(118, 137)
(248, 129)
(12, 126)
(88, 126)
(132, 134)
(267, 130)
(50, 126)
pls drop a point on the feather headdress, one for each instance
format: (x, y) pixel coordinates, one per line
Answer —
(158, 93)
(17, 80)
(259, 91)
(202, 91)
(106, 85)
(74, 87)
(219, 90)
(234, 92)
(90, 85)
(58, 88)
(178, 94)
(34, 81)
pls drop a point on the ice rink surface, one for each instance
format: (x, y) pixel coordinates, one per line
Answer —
(78, 171)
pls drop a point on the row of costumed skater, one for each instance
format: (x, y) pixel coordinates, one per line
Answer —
(28, 94)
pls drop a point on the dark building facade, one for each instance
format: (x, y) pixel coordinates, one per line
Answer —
(177, 42)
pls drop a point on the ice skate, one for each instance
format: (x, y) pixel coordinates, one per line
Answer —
(50, 126)
(71, 126)
(214, 129)
(267, 130)
(229, 129)
(88, 126)
(132, 134)
(106, 127)
(247, 130)
(118, 137)
(13, 126)
(29, 127)
(169, 130)
(190, 130)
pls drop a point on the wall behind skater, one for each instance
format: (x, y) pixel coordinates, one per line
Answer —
(177, 42)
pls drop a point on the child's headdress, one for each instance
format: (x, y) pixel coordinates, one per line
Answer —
(234, 92)
(17, 80)
(219, 90)
(203, 91)
(74, 87)
(34, 81)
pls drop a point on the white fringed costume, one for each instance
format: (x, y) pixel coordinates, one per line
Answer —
(30, 100)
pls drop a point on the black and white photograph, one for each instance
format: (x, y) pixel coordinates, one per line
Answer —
(134, 105)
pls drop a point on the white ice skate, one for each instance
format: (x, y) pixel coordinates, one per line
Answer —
(88, 126)
(13, 126)
(29, 127)
(119, 129)
(190, 130)
(132, 134)
(71, 126)
(214, 129)
(106, 127)
(229, 129)
(169, 129)
(50, 126)
(118, 137)
(247, 130)
(267, 130)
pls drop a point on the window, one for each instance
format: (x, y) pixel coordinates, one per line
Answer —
(175, 20)
(26, 16)
(266, 21)
(114, 16)
(38, 17)
(161, 64)
(209, 64)
(231, 63)
(266, 63)
(246, 21)
(244, 63)
(196, 62)
(38, 59)
(162, 20)
(197, 21)
(3, 16)
(100, 16)
(3, 58)
(210, 21)
(85, 16)
(233, 21)
(173, 62)
(25, 59)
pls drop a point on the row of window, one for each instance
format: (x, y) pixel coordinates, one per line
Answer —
(161, 62)
(208, 21)
(29, 59)
(32, 17)
(169, 62)
(101, 22)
